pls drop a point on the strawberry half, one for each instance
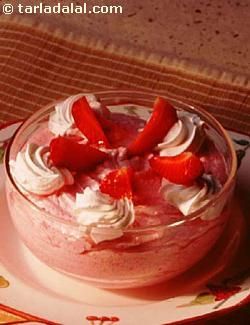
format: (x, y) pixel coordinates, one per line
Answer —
(87, 122)
(164, 116)
(66, 152)
(117, 183)
(181, 169)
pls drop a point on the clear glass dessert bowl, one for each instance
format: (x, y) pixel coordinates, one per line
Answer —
(141, 256)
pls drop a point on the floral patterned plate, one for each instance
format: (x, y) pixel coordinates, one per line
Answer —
(30, 292)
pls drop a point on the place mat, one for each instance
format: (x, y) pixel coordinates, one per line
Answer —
(38, 65)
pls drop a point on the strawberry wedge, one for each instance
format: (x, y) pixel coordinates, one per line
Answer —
(87, 123)
(67, 153)
(164, 116)
(182, 169)
(117, 183)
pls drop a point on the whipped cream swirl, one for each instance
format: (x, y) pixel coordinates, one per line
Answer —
(61, 121)
(187, 199)
(186, 134)
(104, 217)
(33, 172)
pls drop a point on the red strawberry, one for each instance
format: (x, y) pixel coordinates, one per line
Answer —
(65, 152)
(87, 122)
(164, 116)
(181, 169)
(118, 183)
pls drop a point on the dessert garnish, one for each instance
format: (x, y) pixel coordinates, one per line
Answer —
(34, 172)
(117, 183)
(61, 121)
(187, 134)
(164, 116)
(104, 217)
(87, 136)
(87, 123)
(68, 153)
(189, 198)
(182, 169)
(110, 207)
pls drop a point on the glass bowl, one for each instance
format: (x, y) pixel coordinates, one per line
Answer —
(154, 253)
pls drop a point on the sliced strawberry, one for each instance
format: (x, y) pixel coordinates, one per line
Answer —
(66, 152)
(164, 116)
(118, 183)
(181, 169)
(87, 122)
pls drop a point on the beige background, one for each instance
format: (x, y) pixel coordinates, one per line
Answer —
(211, 32)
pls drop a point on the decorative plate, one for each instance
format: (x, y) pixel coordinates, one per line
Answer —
(30, 292)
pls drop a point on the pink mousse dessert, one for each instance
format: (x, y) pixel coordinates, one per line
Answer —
(116, 197)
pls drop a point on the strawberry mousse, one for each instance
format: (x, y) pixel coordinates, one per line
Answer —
(115, 199)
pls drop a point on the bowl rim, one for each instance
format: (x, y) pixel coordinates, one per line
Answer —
(129, 94)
